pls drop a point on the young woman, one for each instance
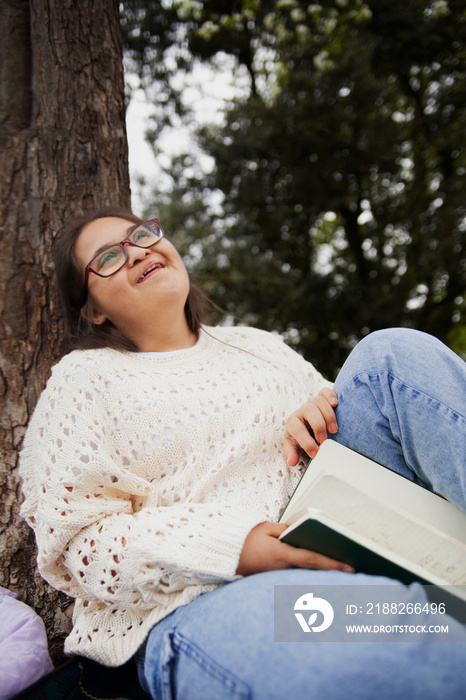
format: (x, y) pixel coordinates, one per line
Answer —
(162, 451)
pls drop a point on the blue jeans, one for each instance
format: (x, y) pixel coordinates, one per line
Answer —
(402, 402)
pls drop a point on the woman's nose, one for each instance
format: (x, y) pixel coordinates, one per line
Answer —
(136, 254)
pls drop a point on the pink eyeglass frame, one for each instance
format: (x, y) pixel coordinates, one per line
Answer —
(121, 244)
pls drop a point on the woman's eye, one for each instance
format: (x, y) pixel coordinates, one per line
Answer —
(107, 258)
(140, 235)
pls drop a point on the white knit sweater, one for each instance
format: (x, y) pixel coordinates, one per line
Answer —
(144, 472)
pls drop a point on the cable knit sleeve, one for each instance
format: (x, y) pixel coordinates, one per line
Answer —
(100, 532)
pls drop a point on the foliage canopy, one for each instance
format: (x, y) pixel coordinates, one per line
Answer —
(341, 169)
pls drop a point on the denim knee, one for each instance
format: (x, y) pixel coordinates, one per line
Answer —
(402, 403)
(414, 357)
(391, 344)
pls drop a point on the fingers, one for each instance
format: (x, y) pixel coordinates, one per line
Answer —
(330, 395)
(298, 435)
(305, 559)
(321, 417)
(263, 551)
(275, 529)
(307, 427)
(259, 551)
(291, 450)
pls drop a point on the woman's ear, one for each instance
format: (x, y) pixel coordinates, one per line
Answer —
(92, 313)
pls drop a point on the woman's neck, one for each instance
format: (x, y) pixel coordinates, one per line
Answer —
(172, 337)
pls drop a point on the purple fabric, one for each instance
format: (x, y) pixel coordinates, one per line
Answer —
(24, 656)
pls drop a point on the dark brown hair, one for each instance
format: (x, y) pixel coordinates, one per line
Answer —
(80, 332)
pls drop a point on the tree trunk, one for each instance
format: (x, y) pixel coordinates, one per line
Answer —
(63, 151)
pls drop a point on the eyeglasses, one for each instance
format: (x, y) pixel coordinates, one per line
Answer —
(109, 260)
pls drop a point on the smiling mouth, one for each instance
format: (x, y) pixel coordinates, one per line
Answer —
(148, 270)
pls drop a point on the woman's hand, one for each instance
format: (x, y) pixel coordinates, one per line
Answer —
(318, 416)
(263, 551)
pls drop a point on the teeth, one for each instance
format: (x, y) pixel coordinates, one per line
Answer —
(149, 269)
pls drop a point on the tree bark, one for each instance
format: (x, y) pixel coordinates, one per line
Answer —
(63, 151)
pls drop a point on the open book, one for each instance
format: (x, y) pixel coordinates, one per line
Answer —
(356, 511)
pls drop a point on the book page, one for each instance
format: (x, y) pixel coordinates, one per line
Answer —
(379, 483)
(390, 528)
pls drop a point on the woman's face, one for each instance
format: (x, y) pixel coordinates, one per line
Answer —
(143, 307)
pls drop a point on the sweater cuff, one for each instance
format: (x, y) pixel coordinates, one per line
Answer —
(226, 544)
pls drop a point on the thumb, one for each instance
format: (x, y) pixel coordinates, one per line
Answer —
(276, 529)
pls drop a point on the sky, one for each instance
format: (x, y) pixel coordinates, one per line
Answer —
(205, 91)
(141, 158)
